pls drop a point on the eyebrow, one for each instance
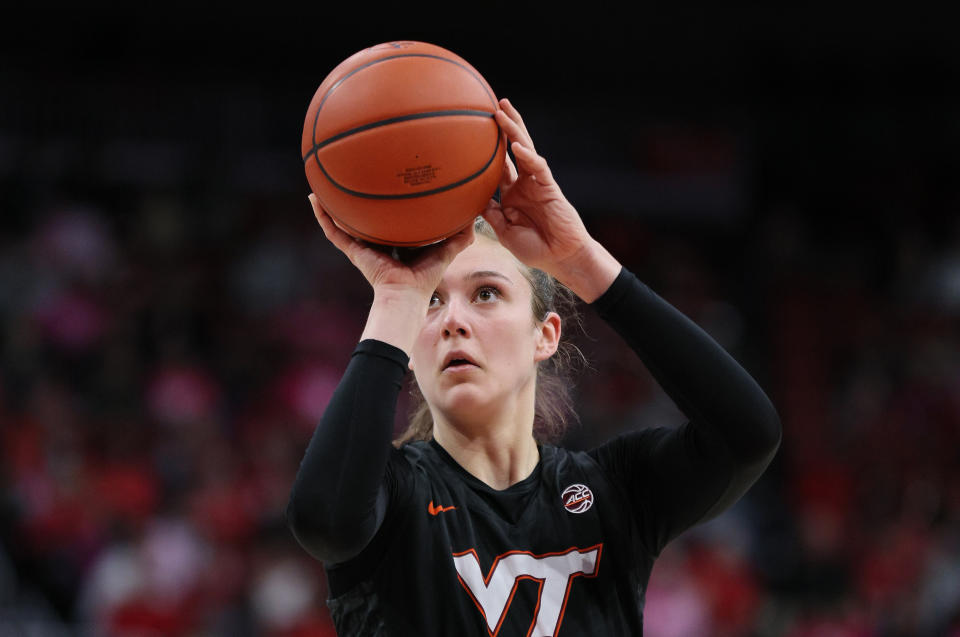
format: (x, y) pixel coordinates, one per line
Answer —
(483, 274)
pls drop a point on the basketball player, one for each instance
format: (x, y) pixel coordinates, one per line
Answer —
(474, 526)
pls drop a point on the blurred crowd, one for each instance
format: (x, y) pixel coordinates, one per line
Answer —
(163, 364)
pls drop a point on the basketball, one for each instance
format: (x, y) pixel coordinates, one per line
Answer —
(400, 145)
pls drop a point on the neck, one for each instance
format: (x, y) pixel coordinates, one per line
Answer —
(500, 452)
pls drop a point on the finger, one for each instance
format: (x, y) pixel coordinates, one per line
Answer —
(446, 250)
(511, 169)
(514, 216)
(512, 129)
(510, 175)
(494, 216)
(532, 163)
(513, 115)
(501, 218)
(459, 242)
(343, 242)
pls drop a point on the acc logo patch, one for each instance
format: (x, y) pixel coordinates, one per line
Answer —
(577, 498)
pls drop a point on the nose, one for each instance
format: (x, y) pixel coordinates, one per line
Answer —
(455, 319)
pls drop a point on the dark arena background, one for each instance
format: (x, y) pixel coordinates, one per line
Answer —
(173, 320)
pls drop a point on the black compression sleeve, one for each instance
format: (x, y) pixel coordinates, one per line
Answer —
(339, 496)
(733, 429)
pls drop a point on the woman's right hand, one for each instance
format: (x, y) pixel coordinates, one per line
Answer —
(401, 290)
(382, 271)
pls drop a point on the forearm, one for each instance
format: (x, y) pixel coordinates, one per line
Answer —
(689, 474)
(339, 497)
(395, 317)
(707, 384)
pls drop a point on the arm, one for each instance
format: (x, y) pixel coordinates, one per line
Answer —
(684, 476)
(341, 492)
(679, 477)
(339, 497)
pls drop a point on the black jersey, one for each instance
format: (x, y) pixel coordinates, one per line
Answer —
(413, 544)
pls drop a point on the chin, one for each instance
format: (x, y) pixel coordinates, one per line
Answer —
(466, 400)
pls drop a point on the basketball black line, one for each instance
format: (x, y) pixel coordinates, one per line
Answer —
(316, 117)
(414, 195)
(392, 120)
(396, 244)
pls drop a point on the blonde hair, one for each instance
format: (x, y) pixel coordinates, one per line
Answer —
(553, 404)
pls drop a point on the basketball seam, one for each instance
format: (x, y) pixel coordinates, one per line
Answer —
(413, 195)
(392, 120)
(477, 77)
(418, 243)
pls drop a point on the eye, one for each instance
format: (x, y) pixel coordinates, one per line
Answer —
(434, 300)
(487, 293)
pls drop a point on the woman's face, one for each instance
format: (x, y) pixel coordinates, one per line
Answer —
(479, 346)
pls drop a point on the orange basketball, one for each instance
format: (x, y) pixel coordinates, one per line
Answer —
(400, 145)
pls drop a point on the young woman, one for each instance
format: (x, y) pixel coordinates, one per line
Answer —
(473, 526)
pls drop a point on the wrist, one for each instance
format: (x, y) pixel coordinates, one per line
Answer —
(589, 272)
(400, 296)
(395, 317)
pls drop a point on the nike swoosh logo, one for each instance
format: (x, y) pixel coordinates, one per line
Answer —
(434, 510)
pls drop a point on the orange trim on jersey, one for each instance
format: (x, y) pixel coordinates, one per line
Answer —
(516, 581)
(566, 595)
(536, 609)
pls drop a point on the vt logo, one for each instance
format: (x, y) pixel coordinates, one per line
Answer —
(555, 572)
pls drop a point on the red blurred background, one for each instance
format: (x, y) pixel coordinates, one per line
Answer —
(173, 322)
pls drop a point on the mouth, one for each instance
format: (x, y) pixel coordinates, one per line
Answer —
(456, 361)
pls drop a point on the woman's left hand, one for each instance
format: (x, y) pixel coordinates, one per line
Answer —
(534, 220)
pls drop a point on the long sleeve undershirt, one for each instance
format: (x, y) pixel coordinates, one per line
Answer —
(341, 491)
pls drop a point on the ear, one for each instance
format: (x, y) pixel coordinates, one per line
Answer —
(548, 337)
